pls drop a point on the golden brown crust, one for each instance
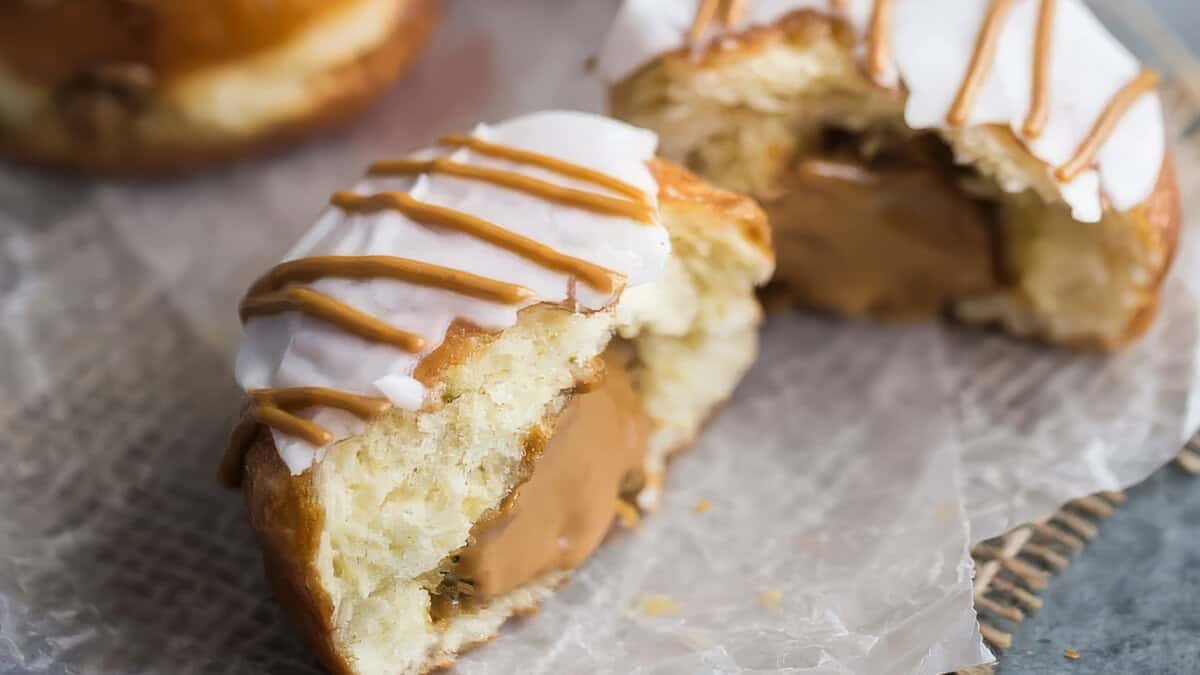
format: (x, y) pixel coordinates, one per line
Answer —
(800, 27)
(45, 42)
(347, 89)
(679, 188)
(288, 521)
(1159, 220)
(1163, 215)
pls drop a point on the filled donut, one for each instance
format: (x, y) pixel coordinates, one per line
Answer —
(133, 86)
(474, 362)
(1002, 160)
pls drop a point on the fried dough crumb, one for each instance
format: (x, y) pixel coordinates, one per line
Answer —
(627, 514)
(1072, 654)
(702, 506)
(770, 599)
(658, 605)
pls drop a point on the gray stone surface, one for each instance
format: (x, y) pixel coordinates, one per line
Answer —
(1130, 603)
(1183, 16)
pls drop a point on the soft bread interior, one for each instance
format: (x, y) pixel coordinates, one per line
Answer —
(399, 499)
(745, 114)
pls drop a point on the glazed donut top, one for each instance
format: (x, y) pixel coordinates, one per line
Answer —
(553, 207)
(1047, 69)
(46, 41)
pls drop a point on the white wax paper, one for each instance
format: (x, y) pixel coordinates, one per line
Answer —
(845, 480)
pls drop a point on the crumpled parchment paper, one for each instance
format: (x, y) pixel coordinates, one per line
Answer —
(845, 481)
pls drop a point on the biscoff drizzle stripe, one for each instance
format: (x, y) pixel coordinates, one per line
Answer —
(704, 16)
(1116, 108)
(879, 39)
(981, 62)
(277, 418)
(1039, 106)
(274, 407)
(530, 158)
(310, 269)
(580, 199)
(734, 11)
(599, 278)
(298, 398)
(334, 311)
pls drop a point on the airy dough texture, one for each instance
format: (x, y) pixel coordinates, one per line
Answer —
(122, 117)
(353, 545)
(740, 113)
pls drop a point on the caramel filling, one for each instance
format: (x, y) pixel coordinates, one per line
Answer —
(892, 234)
(556, 518)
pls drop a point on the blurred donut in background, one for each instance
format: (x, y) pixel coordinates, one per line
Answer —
(142, 86)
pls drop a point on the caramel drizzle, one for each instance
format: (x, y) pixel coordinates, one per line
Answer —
(735, 10)
(1039, 107)
(274, 407)
(599, 278)
(310, 269)
(981, 62)
(704, 16)
(547, 162)
(879, 40)
(580, 199)
(1116, 108)
(296, 398)
(278, 418)
(330, 309)
(731, 11)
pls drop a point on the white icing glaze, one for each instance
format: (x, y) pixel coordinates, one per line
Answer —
(294, 349)
(932, 43)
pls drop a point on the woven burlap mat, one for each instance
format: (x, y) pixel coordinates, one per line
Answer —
(1011, 571)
